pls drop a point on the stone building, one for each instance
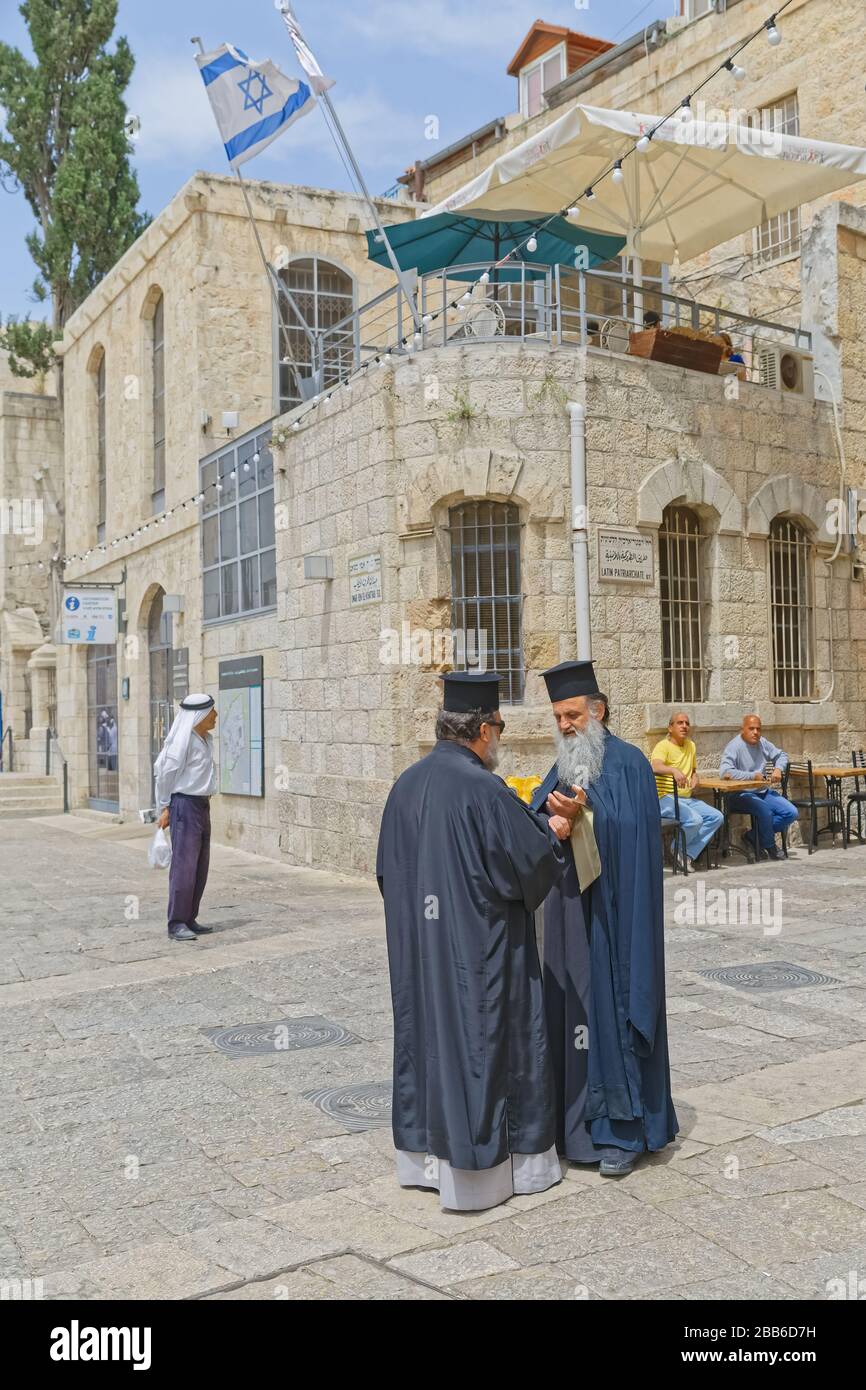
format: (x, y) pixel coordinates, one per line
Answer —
(173, 369)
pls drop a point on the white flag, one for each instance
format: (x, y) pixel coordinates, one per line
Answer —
(253, 102)
(318, 81)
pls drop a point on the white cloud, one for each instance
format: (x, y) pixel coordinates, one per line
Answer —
(177, 125)
(465, 35)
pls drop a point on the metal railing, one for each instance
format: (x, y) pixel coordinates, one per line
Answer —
(7, 734)
(537, 303)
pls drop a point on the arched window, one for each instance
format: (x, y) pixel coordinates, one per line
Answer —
(99, 388)
(486, 607)
(322, 295)
(158, 403)
(791, 608)
(680, 583)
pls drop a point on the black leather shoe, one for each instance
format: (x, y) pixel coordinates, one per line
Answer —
(774, 853)
(182, 934)
(199, 930)
(618, 1167)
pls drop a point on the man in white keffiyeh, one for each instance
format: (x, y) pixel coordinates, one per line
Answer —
(185, 782)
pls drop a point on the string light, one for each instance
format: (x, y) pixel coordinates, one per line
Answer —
(735, 70)
(617, 175)
(773, 35)
(685, 111)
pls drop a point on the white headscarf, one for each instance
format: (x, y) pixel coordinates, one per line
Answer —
(173, 756)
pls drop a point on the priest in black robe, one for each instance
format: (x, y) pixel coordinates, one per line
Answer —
(604, 986)
(462, 865)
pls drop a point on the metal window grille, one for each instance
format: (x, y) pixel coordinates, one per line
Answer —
(158, 397)
(487, 605)
(792, 618)
(680, 580)
(324, 295)
(780, 235)
(237, 529)
(100, 450)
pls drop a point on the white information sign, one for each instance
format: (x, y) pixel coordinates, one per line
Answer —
(89, 616)
(365, 580)
(625, 557)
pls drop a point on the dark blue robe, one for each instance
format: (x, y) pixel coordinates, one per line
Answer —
(618, 1094)
(462, 865)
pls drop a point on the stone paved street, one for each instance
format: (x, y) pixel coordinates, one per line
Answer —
(139, 1160)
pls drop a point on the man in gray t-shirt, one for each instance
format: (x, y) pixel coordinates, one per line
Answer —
(747, 756)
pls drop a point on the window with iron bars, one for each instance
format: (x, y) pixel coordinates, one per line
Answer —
(487, 605)
(158, 404)
(792, 617)
(779, 236)
(680, 582)
(323, 295)
(100, 451)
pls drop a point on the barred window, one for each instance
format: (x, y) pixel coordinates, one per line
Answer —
(792, 618)
(158, 348)
(322, 296)
(680, 580)
(486, 609)
(237, 529)
(780, 235)
(100, 451)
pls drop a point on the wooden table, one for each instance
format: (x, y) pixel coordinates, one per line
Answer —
(722, 787)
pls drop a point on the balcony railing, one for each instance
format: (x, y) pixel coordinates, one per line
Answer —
(537, 304)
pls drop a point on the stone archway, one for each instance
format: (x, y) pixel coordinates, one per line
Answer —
(789, 496)
(694, 483)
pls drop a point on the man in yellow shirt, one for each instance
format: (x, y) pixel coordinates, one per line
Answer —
(675, 760)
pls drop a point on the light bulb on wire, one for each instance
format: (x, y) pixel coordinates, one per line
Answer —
(685, 111)
(643, 144)
(532, 245)
(735, 70)
(617, 175)
(773, 35)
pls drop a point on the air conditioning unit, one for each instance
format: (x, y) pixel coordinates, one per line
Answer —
(784, 369)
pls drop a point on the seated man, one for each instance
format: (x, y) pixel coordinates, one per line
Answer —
(745, 757)
(675, 757)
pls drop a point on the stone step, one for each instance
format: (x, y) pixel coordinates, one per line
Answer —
(35, 803)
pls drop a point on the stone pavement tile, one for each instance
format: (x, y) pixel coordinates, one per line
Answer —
(586, 1222)
(772, 1229)
(150, 1098)
(345, 1278)
(87, 1194)
(845, 1120)
(637, 1269)
(653, 1183)
(852, 1191)
(770, 1018)
(171, 1270)
(553, 1282)
(750, 1153)
(58, 1285)
(252, 1248)
(842, 1156)
(741, 1035)
(421, 1208)
(245, 1201)
(115, 1229)
(337, 1222)
(451, 1265)
(840, 1276)
(181, 1214)
(54, 1078)
(704, 1125)
(747, 1284)
(761, 1180)
(788, 1092)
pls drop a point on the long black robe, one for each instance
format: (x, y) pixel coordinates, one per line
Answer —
(604, 971)
(462, 865)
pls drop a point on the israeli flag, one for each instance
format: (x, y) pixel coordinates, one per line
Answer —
(253, 102)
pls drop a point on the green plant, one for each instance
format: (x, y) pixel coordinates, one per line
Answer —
(549, 387)
(463, 411)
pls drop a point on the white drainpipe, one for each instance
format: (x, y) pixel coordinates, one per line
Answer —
(579, 535)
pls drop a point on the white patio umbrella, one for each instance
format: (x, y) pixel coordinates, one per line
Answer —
(695, 186)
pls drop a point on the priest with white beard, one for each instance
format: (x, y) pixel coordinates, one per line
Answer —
(604, 937)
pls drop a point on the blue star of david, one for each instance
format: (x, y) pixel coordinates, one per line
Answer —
(255, 102)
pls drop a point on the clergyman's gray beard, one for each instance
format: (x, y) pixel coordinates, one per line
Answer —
(579, 756)
(491, 760)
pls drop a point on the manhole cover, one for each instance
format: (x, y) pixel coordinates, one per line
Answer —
(364, 1106)
(283, 1035)
(774, 974)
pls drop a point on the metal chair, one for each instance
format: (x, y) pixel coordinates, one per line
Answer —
(857, 797)
(674, 827)
(813, 804)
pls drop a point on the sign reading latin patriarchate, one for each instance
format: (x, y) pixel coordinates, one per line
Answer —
(365, 580)
(625, 557)
(241, 709)
(88, 616)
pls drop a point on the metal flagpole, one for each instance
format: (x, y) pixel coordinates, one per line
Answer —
(289, 20)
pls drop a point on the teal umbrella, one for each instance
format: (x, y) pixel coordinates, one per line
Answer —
(453, 239)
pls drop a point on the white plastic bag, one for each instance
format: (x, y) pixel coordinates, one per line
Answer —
(159, 854)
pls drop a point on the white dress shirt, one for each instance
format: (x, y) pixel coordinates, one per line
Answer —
(197, 777)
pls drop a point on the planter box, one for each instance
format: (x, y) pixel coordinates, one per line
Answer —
(676, 349)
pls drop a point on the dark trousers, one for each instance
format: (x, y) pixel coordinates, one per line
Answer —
(771, 810)
(189, 823)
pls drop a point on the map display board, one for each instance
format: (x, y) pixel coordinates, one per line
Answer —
(241, 710)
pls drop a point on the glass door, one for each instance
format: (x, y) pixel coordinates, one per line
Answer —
(102, 728)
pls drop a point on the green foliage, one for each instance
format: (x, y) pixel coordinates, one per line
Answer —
(463, 411)
(65, 145)
(30, 347)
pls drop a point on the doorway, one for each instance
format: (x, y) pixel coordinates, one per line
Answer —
(103, 778)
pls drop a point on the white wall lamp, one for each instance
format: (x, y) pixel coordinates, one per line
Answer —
(318, 567)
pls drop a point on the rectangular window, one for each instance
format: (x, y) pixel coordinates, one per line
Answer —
(791, 609)
(238, 536)
(487, 604)
(779, 236)
(538, 78)
(680, 592)
(158, 406)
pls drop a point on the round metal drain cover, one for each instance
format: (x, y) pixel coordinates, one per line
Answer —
(282, 1035)
(774, 974)
(363, 1106)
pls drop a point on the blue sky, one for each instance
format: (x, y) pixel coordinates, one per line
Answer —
(396, 63)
